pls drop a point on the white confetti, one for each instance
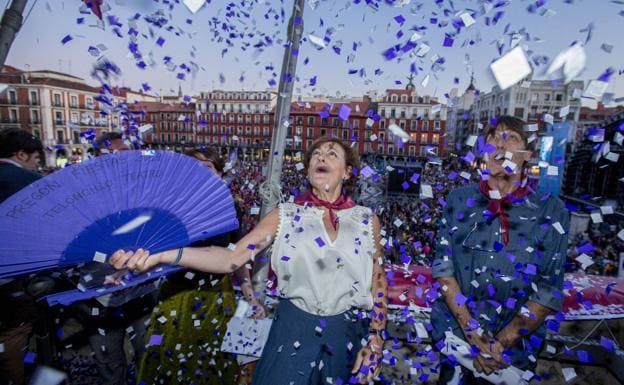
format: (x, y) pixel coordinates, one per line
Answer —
(570, 62)
(194, 5)
(511, 68)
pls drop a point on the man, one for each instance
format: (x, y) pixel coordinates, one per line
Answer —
(110, 317)
(20, 152)
(499, 259)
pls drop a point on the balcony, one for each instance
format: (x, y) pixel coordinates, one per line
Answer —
(35, 121)
(34, 102)
(57, 104)
(59, 122)
(9, 121)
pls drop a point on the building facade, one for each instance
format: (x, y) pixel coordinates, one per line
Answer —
(422, 117)
(530, 101)
(55, 107)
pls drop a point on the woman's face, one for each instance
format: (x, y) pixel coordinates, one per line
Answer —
(510, 153)
(327, 167)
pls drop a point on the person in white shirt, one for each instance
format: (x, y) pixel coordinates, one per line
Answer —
(330, 322)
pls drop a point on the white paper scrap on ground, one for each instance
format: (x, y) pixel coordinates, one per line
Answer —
(246, 336)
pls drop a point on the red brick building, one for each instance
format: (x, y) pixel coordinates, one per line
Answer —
(55, 107)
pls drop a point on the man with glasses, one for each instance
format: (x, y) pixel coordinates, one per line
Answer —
(499, 259)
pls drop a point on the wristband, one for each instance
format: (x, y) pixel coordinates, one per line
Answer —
(178, 257)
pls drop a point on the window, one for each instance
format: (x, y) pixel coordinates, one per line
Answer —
(266, 119)
(310, 132)
(73, 101)
(13, 116)
(76, 136)
(265, 131)
(546, 97)
(382, 124)
(57, 100)
(248, 119)
(34, 117)
(311, 120)
(299, 120)
(345, 134)
(393, 112)
(60, 136)
(12, 97)
(403, 113)
(436, 139)
(257, 119)
(356, 123)
(519, 112)
(412, 151)
(425, 125)
(436, 125)
(414, 125)
(424, 138)
(336, 122)
(323, 132)
(324, 121)
(58, 117)
(298, 130)
(34, 100)
(559, 97)
(535, 97)
(383, 112)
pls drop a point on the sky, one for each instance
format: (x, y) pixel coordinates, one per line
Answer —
(57, 36)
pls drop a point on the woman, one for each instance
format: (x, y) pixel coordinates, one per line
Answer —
(189, 352)
(327, 257)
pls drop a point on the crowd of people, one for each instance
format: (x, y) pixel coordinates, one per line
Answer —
(409, 227)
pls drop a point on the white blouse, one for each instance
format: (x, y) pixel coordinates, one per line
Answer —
(320, 276)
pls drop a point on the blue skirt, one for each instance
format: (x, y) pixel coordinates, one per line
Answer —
(306, 349)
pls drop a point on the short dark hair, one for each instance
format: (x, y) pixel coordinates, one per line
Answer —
(101, 142)
(352, 158)
(514, 124)
(13, 140)
(209, 154)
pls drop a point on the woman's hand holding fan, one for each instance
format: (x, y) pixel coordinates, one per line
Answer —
(138, 261)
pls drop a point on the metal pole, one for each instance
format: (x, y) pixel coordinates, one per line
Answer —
(9, 26)
(280, 129)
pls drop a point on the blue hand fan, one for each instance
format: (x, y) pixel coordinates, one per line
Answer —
(129, 200)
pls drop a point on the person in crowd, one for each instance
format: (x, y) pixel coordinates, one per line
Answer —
(108, 319)
(499, 259)
(327, 258)
(20, 154)
(185, 298)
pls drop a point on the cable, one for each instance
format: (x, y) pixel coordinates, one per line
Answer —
(584, 338)
(27, 15)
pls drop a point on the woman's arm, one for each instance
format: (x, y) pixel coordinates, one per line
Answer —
(210, 259)
(368, 361)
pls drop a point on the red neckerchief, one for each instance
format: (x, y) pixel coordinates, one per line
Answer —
(343, 202)
(497, 206)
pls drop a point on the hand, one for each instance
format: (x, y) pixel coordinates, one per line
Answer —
(491, 350)
(368, 362)
(138, 261)
(258, 310)
(115, 278)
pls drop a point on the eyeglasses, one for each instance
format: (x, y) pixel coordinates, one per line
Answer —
(471, 241)
(330, 154)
